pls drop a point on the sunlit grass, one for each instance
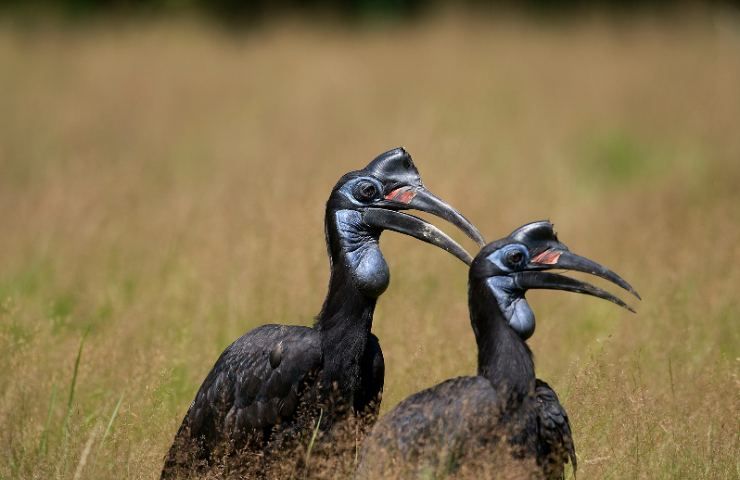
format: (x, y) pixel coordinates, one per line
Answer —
(162, 190)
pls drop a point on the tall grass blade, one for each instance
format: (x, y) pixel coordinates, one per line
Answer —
(357, 444)
(85, 453)
(111, 420)
(62, 467)
(43, 441)
(73, 384)
(313, 438)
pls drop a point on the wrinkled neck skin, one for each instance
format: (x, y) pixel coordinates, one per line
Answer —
(503, 356)
(359, 275)
(513, 305)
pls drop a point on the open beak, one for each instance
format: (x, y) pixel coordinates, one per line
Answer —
(553, 281)
(560, 257)
(419, 198)
(410, 225)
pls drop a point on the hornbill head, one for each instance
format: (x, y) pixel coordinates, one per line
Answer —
(515, 264)
(390, 183)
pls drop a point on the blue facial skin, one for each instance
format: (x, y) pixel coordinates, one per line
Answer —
(347, 188)
(513, 305)
(509, 296)
(370, 273)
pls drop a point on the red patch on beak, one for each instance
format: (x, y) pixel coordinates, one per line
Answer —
(548, 257)
(402, 195)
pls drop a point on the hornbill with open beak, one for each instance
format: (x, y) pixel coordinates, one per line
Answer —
(274, 382)
(503, 418)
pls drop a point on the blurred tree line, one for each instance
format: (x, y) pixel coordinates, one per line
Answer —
(254, 10)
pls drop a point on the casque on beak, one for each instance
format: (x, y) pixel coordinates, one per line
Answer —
(547, 252)
(404, 190)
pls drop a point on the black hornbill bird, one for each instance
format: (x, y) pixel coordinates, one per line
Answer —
(504, 416)
(274, 381)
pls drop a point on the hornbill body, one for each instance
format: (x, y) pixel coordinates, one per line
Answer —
(504, 421)
(271, 385)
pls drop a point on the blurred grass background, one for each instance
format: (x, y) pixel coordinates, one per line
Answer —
(162, 185)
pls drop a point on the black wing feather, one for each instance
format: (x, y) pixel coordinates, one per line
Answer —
(556, 439)
(458, 420)
(429, 428)
(255, 385)
(372, 372)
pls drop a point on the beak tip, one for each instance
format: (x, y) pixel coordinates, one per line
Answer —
(478, 237)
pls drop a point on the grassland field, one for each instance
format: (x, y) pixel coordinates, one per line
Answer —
(162, 187)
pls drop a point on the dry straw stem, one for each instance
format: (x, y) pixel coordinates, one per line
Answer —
(163, 186)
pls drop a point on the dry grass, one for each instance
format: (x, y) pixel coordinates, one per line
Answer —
(162, 187)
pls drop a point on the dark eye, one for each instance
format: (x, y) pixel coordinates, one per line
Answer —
(515, 257)
(365, 191)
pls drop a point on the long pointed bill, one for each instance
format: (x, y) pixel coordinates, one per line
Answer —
(415, 227)
(419, 198)
(558, 258)
(553, 281)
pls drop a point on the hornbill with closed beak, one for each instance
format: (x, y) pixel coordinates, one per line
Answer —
(274, 382)
(503, 418)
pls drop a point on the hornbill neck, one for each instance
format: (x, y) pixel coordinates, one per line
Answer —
(358, 276)
(504, 358)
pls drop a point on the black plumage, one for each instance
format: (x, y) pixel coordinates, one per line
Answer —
(267, 389)
(504, 422)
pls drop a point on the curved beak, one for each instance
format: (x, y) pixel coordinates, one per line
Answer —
(409, 225)
(553, 281)
(560, 257)
(419, 198)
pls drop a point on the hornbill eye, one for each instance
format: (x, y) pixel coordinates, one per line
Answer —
(364, 191)
(514, 257)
